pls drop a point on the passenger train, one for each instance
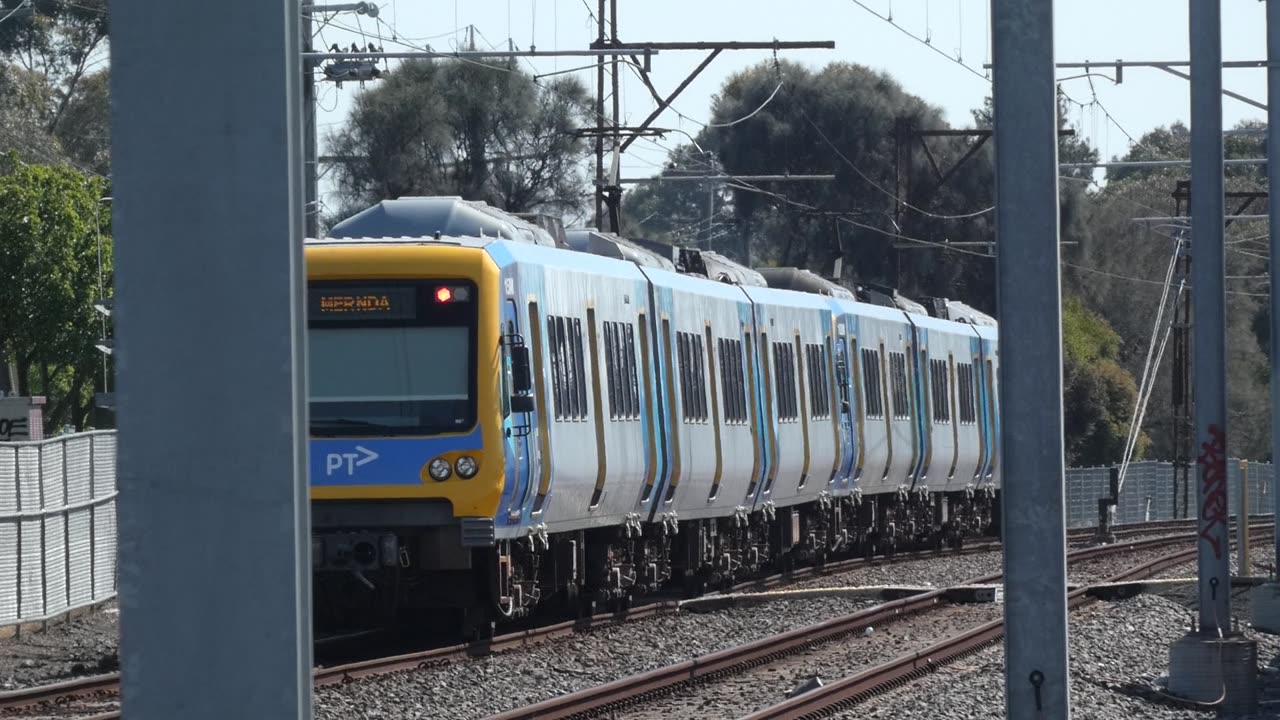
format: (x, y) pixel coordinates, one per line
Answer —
(508, 417)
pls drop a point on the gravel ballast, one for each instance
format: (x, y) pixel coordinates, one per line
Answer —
(740, 695)
(1114, 647)
(84, 646)
(501, 682)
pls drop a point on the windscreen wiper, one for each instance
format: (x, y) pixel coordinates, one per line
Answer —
(349, 422)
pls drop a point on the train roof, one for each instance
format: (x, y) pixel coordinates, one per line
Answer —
(800, 280)
(451, 219)
(595, 242)
(426, 217)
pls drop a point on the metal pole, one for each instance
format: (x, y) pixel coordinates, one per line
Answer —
(724, 178)
(1152, 164)
(1030, 310)
(208, 182)
(477, 54)
(312, 170)
(1209, 313)
(599, 193)
(1273, 210)
(1242, 527)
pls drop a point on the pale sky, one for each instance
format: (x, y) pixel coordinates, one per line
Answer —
(1148, 30)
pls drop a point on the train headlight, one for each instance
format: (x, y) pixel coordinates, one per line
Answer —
(439, 469)
(466, 467)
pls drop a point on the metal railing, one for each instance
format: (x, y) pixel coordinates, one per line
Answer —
(57, 525)
(58, 546)
(1148, 491)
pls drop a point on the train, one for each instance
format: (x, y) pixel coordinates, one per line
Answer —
(508, 418)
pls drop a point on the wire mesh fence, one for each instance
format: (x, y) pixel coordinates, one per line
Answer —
(1149, 492)
(58, 545)
(57, 525)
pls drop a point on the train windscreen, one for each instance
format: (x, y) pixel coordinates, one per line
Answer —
(391, 358)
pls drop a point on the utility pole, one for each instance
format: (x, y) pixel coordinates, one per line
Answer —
(207, 163)
(1183, 427)
(1029, 276)
(608, 192)
(1265, 602)
(310, 164)
(309, 143)
(600, 187)
(1212, 662)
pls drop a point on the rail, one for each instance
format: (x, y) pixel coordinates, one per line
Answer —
(850, 691)
(629, 690)
(108, 685)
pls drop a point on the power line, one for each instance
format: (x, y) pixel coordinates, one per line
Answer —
(876, 185)
(923, 41)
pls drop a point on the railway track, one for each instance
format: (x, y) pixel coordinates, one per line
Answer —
(105, 688)
(852, 690)
(613, 698)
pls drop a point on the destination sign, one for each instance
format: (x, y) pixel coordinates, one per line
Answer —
(364, 303)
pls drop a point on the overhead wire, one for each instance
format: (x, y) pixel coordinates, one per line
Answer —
(14, 11)
(585, 107)
(877, 186)
(922, 41)
(1147, 377)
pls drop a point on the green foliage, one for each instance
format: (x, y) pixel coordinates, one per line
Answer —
(848, 120)
(54, 99)
(683, 211)
(50, 222)
(1098, 394)
(843, 120)
(1122, 272)
(1087, 337)
(483, 131)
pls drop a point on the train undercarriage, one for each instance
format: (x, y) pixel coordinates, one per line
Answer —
(430, 583)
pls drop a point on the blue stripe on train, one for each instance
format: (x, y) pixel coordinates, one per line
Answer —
(381, 461)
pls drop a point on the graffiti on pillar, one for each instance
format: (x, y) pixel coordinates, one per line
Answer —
(1213, 473)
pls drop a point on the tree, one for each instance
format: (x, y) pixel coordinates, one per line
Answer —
(843, 120)
(54, 103)
(485, 131)
(1121, 277)
(51, 224)
(59, 41)
(1098, 395)
(846, 119)
(697, 211)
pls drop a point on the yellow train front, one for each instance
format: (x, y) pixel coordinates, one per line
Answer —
(406, 460)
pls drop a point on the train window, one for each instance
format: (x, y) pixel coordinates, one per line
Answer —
(579, 367)
(693, 384)
(784, 374)
(682, 350)
(700, 376)
(871, 382)
(819, 386)
(898, 375)
(611, 368)
(732, 381)
(557, 366)
(568, 371)
(964, 379)
(631, 379)
(940, 388)
(620, 359)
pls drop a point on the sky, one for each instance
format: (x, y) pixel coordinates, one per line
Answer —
(958, 32)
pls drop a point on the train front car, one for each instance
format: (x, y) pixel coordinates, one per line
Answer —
(406, 464)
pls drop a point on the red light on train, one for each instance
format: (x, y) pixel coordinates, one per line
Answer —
(444, 295)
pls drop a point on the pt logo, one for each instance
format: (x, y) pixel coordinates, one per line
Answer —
(334, 462)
